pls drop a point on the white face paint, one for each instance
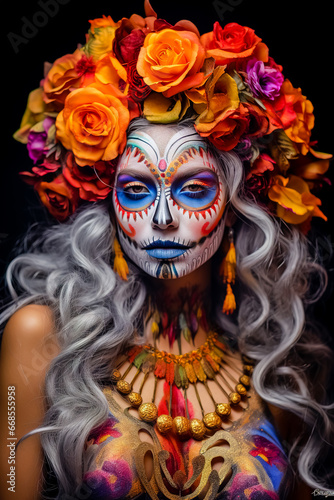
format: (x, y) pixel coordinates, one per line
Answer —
(169, 201)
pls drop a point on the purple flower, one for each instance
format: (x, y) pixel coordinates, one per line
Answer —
(37, 138)
(111, 482)
(264, 81)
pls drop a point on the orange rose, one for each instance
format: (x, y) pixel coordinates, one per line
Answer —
(58, 196)
(170, 60)
(230, 43)
(62, 77)
(93, 123)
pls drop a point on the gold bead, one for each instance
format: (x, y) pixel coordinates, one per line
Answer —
(115, 375)
(223, 409)
(244, 380)
(148, 412)
(164, 423)
(123, 387)
(241, 389)
(248, 369)
(181, 427)
(234, 398)
(212, 420)
(197, 428)
(135, 399)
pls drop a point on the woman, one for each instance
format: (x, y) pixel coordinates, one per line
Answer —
(142, 317)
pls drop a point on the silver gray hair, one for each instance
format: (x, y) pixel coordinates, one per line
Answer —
(69, 268)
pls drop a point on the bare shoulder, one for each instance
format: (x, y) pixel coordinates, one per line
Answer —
(33, 322)
(28, 343)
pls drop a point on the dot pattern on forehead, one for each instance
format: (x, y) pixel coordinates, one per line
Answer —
(165, 175)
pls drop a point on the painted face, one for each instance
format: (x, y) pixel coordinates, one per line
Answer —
(169, 201)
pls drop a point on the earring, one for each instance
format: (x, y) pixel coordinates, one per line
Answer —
(227, 270)
(120, 264)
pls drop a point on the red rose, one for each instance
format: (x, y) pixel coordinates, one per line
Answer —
(257, 187)
(138, 90)
(128, 41)
(60, 198)
(230, 43)
(93, 183)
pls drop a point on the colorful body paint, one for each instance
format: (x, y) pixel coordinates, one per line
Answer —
(168, 202)
(252, 462)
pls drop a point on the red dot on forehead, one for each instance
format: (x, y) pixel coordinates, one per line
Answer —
(162, 165)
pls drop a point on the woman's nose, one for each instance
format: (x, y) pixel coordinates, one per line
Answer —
(162, 217)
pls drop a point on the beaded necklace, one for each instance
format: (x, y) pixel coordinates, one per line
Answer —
(208, 362)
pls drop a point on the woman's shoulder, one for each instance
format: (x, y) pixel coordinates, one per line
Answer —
(29, 336)
(32, 322)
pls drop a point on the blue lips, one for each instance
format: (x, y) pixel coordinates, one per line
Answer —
(165, 249)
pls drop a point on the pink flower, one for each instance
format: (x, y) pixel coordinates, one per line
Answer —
(264, 80)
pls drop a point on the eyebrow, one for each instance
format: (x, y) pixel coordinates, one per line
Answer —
(191, 171)
(130, 171)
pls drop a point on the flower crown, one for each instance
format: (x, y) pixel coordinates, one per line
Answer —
(75, 123)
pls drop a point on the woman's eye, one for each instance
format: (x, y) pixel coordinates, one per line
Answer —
(197, 193)
(134, 195)
(193, 188)
(136, 189)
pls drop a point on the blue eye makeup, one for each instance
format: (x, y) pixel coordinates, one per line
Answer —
(135, 194)
(196, 192)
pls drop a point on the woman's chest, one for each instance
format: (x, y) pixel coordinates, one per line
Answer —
(127, 458)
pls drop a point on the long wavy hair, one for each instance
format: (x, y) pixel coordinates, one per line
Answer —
(69, 268)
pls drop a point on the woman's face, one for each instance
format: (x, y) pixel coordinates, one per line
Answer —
(169, 201)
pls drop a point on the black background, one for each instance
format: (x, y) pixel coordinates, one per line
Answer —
(299, 35)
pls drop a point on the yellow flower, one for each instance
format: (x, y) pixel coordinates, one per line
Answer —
(34, 113)
(160, 109)
(295, 203)
(218, 96)
(100, 40)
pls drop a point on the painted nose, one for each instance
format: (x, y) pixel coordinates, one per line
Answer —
(162, 217)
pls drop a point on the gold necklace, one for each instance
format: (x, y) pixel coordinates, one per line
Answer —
(209, 361)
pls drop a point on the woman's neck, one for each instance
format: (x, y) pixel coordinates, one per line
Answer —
(180, 308)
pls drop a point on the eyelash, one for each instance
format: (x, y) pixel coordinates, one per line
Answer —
(194, 183)
(132, 185)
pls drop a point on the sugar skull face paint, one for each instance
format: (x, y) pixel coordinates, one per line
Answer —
(169, 200)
